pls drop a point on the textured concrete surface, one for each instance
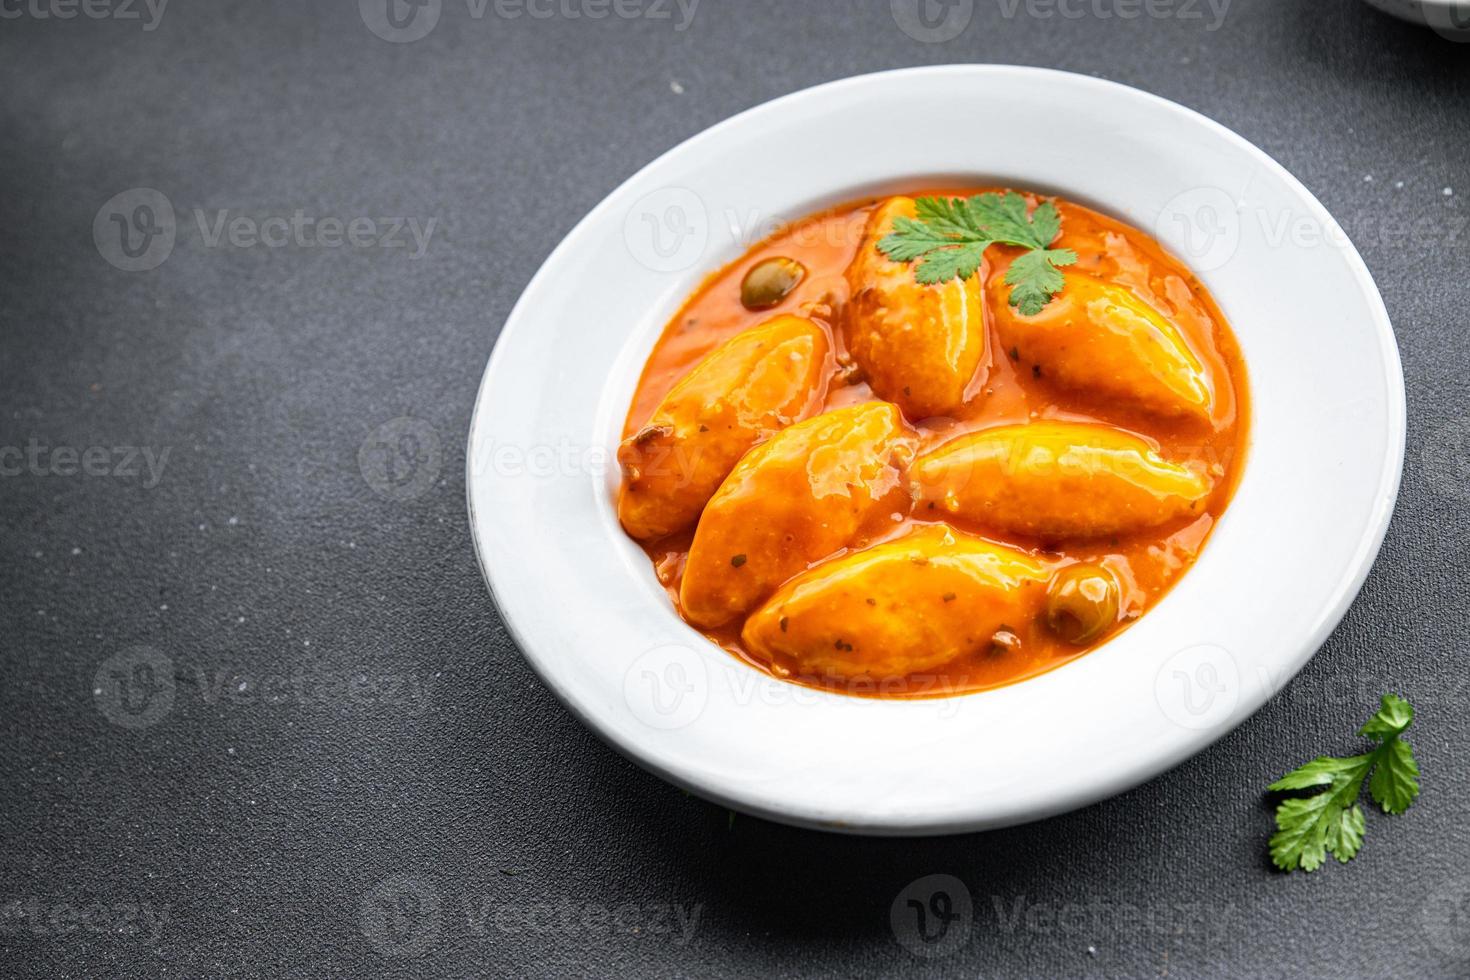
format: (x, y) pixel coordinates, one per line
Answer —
(331, 760)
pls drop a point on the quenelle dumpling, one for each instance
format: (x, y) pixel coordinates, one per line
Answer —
(795, 499)
(1101, 337)
(919, 345)
(745, 390)
(1056, 480)
(903, 607)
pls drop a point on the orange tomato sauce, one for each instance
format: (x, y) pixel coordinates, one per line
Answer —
(1146, 563)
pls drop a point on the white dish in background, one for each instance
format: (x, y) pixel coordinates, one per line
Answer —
(1450, 18)
(1276, 577)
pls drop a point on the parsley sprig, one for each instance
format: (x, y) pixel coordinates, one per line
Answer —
(1309, 827)
(949, 235)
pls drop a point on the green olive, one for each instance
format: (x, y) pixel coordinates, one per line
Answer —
(1082, 602)
(769, 282)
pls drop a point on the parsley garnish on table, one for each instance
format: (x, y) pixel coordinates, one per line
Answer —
(949, 235)
(1331, 821)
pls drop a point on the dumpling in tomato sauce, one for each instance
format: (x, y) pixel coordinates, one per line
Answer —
(919, 345)
(1101, 337)
(747, 389)
(808, 492)
(907, 606)
(1057, 480)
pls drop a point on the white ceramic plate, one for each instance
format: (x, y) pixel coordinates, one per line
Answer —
(1277, 576)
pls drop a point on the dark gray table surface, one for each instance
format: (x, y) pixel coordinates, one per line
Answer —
(357, 773)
